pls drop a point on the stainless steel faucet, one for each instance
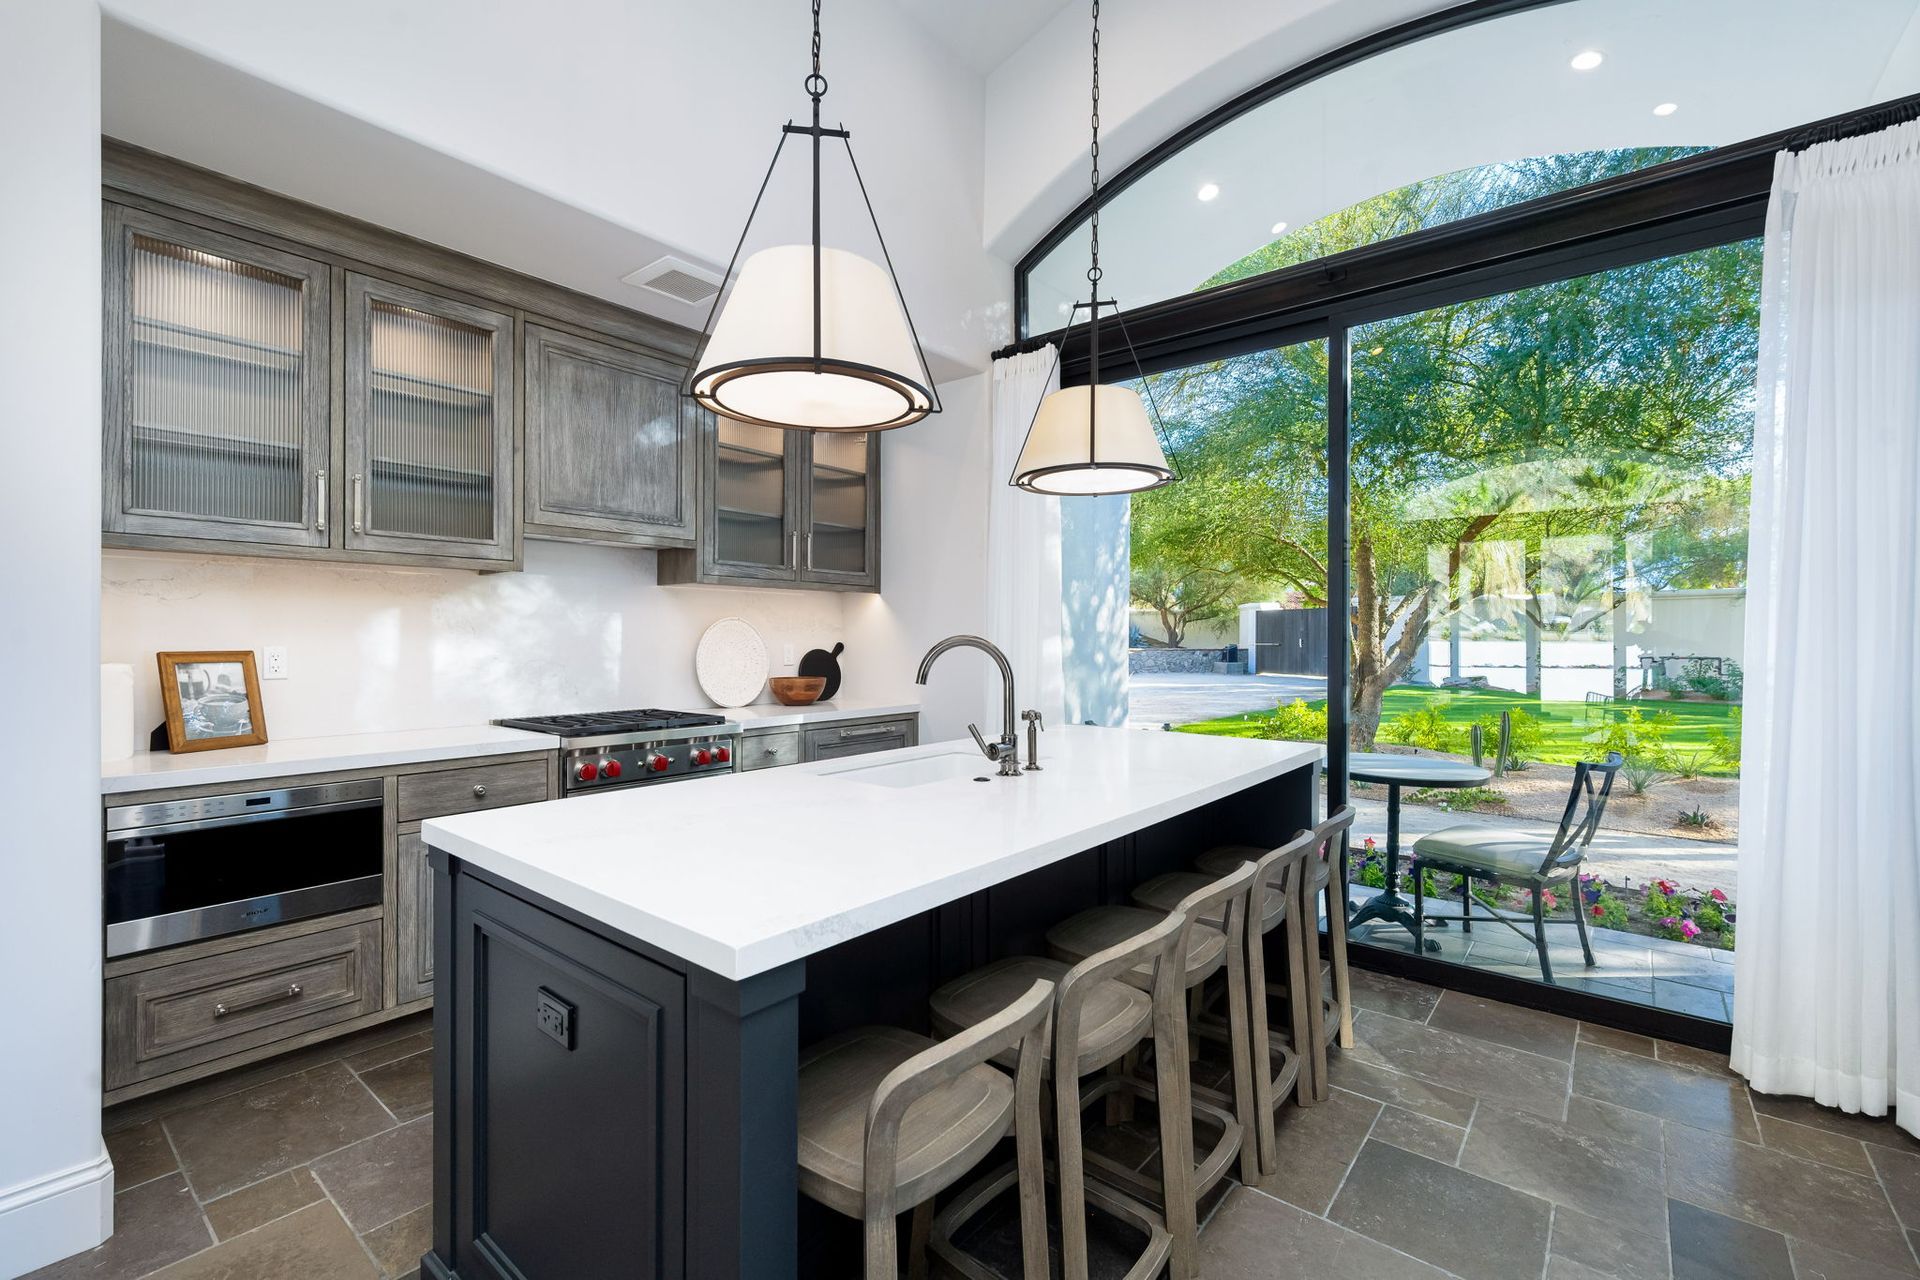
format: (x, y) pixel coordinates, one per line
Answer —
(1006, 751)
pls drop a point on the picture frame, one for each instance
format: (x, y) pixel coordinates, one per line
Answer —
(212, 700)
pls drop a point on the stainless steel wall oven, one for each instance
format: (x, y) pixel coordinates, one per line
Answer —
(179, 870)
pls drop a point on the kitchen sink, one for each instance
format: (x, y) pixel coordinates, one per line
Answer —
(919, 772)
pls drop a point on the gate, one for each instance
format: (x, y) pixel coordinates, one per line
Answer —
(1290, 642)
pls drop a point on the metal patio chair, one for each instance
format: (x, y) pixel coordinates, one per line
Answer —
(1503, 855)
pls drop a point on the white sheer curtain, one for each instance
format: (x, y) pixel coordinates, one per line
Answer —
(1024, 613)
(1827, 974)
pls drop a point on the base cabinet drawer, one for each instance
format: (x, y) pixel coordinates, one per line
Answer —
(490, 786)
(164, 1019)
(769, 750)
(413, 934)
(830, 742)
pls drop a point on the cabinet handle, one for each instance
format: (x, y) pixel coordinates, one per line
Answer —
(479, 791)
(272, 997)
(359, 511)
(795, 558)
(320, 500)
(809, 551)
(872, 731)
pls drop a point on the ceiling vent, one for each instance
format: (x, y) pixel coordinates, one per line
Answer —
(676, 278)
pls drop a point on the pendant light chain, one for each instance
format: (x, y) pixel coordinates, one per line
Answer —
(1093, 271)
(816, 83)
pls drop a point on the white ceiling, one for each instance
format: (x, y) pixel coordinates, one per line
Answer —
(982, 33)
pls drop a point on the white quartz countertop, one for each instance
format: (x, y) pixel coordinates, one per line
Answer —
(153, 770)
(745, 872)
(769, 715)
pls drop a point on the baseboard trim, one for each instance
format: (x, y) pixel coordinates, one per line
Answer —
(55, 1216)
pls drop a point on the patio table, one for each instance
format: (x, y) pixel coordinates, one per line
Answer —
(1395, 772)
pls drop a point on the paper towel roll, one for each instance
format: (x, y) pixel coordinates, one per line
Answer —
(117, 740)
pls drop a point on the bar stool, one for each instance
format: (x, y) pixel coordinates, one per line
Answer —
(1201, 950)
(889, 1119)
(1277, 883)
(1096, 1021)
(1323, 890)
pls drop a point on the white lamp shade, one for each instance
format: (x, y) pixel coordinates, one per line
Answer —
(759, 365)
(1122, 454)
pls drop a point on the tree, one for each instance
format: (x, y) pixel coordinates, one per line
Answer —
(1615, 406)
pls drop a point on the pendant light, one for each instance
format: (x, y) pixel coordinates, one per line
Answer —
(1093, 439)
(812, 338)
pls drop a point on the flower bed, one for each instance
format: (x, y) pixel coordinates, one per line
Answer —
(1661, 909)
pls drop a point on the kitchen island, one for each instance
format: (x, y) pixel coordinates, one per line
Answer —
(624, 980)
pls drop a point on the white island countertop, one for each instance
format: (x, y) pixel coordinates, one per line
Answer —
(743, 873)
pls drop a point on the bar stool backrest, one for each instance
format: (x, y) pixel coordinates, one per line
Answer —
(1331, 835)
(1280, 871)
(1226, 900)
(1021, 1024)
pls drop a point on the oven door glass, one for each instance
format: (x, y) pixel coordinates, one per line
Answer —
(172, 884)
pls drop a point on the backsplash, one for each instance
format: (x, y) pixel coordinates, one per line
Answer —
(583, 628)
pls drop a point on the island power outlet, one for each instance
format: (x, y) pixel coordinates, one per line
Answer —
(555, 1017)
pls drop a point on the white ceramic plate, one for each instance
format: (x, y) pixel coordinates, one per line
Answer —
(731, 663)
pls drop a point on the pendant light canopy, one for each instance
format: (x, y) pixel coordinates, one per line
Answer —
(1093, 439)
(813, 338)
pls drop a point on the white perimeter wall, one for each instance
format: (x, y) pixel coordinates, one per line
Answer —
(56, 1186)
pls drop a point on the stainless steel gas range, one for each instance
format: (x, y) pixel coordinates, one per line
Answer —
(611, 749)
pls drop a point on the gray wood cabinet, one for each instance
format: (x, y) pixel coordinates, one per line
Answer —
(610, 444)
(784, 508)
(413, 918)
(858, 737)
(216, 407)
(429, 423)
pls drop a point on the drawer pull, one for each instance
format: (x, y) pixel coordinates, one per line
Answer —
(872, 731)
(479, 791)
(222, 1010)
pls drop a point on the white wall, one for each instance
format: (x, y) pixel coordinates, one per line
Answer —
(582, 628)
(56, 1185)
(934, 550)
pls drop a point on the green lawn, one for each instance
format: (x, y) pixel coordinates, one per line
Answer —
(1564, 725)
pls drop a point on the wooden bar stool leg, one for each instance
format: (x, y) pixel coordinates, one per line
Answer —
(919, 1228)
(1337, 946)
(1176, 1135)
(1315, 1066)
(1260, 1135)
(1300, 931)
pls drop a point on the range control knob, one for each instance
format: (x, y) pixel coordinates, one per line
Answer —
(586, 772)
(722, 754)
(610, 769)
(702, 756)
(657, 762)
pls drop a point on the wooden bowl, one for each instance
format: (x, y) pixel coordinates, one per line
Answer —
(797, 691)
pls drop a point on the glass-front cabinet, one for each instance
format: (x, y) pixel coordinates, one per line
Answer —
(217, 386)
(785, 508)
(429, 441)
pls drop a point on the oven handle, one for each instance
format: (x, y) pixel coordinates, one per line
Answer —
(236, 819)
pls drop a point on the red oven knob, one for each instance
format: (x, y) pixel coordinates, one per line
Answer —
(722, 754)
(586, 772)
(611, 769)
(702, 756)
(658, 763)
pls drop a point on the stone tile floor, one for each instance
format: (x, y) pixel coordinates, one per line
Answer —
(1463, 1138)
(316, 1165)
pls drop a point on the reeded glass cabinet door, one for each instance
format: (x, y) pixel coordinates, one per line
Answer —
(429, 425)
(216, 411)
(751, 529)
(842, 509)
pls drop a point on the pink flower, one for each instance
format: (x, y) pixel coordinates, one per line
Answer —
(1689, 930)
(1546, 896)
(1716, 895)
(1598, 911)
(1667, 887)
(1670, 922)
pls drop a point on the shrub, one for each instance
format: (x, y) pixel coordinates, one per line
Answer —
(1640, 774)
(1710, 918)
(1726, 939)
(1724, 744)
(1609, 912)
(1458, 797)
(1524, 735)
(1691, 765)
(1297, 722)
(1426, 728)
(1638, 736)
(1697, 818)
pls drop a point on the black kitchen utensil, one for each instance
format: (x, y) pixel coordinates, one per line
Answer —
(818, 662)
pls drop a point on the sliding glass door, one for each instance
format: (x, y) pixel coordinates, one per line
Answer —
(1547, 507)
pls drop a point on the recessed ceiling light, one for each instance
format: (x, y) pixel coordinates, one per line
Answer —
(1208, 190)
(1279, 228)
(1666, 108)
(1587, 60)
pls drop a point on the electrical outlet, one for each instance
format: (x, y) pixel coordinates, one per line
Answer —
(554, 1016)
(786, 654)
(274, 662)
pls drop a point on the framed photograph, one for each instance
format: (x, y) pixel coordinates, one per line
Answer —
(212, 700)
